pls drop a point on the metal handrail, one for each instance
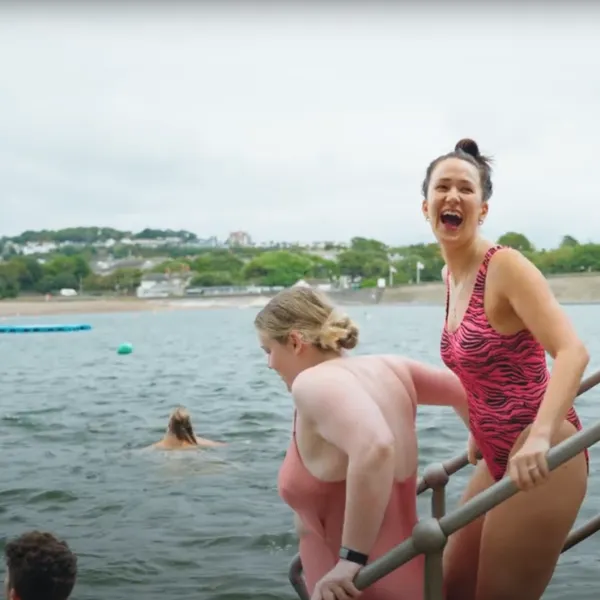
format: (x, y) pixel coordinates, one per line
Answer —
(430, 535)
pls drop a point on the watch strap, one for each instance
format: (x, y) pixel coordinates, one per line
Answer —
(353, 556)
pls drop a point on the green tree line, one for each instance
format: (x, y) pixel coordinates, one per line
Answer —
(92, 235)
(364, 261)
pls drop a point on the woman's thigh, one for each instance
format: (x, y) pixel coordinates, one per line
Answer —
(522, 538)
(316, 557)
(461, 554)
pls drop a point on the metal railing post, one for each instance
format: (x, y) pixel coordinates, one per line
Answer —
(451, 466)
(434, 531)
(430, 535)
(296, 579)
(436, 477)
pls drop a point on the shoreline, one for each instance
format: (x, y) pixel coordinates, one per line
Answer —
(568, 290)
(38, 306)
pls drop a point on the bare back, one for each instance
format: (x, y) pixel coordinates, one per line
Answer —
(388, 390)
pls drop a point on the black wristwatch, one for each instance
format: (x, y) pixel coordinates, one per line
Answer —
(353, 556)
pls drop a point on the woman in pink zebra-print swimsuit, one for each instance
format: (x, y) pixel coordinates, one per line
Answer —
(501, 319)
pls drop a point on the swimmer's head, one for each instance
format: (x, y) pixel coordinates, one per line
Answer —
(180, 426)
(39, 567)
(456, 191)
(298, 327)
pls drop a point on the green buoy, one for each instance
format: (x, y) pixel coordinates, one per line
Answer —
(125, 349)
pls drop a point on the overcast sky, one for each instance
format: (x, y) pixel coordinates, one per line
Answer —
(295, 125)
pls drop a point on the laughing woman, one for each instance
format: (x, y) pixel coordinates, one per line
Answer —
(501, 319)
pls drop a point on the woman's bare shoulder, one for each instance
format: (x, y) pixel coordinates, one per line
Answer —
(204, 443)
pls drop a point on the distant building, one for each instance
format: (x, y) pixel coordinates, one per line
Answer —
(106, 267)
(239, 238)
(325, 254)
(210, 242)
(161, 285)
(38, 248)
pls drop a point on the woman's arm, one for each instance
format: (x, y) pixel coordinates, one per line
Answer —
(345, 416)
(204, 443)
(438, 386)
(530, 297)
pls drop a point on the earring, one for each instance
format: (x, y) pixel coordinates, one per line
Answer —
(481, 221)
(427, 219)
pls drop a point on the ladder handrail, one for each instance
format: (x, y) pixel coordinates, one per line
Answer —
(456, 463)
(430, 535)
(451, 466)
(575, 537)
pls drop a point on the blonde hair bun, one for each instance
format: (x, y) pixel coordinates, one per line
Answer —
(310, 313)
(338, 331)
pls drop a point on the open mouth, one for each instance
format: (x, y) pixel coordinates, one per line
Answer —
(451, 219)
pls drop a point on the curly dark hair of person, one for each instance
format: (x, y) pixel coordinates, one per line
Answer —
(40, 567)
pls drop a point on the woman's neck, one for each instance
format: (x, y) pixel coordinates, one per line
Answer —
(462, 260)
(316, 357)
(321, 356)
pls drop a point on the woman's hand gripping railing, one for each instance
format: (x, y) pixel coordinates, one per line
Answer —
(430, 535)
(435, 477)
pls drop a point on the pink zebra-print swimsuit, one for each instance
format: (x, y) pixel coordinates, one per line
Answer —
(505, 376)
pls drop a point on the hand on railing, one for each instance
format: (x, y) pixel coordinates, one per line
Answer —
(528, 466)
(338, 583)
(432, 532)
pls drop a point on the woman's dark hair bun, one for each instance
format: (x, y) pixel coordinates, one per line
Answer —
(468, 147)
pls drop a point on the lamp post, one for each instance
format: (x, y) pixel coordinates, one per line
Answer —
(420, 267)
(392, 270)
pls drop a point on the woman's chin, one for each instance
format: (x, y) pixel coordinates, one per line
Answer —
(454, 236)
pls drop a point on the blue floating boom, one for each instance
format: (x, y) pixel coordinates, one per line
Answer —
(42, 328)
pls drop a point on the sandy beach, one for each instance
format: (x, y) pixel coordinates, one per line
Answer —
(23, 307)
(33, 307)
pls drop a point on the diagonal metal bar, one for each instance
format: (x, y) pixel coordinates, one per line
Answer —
(439, 530)
(472, 509)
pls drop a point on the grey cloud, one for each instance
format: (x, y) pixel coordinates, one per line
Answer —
(303, 126)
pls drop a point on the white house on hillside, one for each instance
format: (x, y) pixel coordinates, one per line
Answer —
(160, 285)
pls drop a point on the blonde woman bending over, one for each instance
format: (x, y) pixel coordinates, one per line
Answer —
(351, 468)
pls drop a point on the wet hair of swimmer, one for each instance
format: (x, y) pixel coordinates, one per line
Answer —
(180, 425)
(468, 150)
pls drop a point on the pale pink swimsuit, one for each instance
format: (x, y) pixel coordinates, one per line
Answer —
(320, 506)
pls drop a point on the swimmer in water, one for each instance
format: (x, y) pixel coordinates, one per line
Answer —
(350, 472)
(180, 434)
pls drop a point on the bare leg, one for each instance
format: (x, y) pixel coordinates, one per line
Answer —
(522, 537)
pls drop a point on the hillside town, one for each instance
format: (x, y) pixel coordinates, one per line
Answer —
(111, 252)
(156, 263)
